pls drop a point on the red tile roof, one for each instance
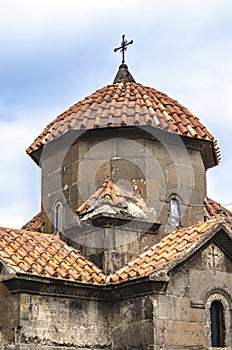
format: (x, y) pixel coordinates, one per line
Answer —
(35, 224)
(215, 210)
(45, 255)
(126, 104)
(171, 250)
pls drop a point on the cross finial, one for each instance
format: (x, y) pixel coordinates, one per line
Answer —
(123, 47)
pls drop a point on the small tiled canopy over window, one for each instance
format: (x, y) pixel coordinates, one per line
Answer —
(174, 212)
(58, 216)
(217, 324)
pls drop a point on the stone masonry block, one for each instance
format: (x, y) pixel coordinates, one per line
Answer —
(182, 333)
(82, 150)
(129, 170)
(129, 149)
(103, 172)
(87, 169)
(101, 150)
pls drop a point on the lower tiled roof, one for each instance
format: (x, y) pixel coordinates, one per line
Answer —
(46, 255)
(172, 249)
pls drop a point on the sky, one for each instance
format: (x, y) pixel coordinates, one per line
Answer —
(56, 52)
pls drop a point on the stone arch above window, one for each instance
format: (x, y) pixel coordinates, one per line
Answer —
(217, 320)
(58, 216)
(174, 211)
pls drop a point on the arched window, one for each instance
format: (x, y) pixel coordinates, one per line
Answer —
(58, 216)
(217, 324)
(174, 212)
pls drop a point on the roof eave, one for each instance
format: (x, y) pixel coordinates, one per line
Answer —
(208, 148)
(209, 236)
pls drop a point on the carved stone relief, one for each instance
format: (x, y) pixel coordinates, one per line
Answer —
(213, 258)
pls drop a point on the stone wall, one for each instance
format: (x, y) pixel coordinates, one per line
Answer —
(52, 323)
(9, 317)
(152, 169)
(182, 314)
(177, 324)
(133, 324)
(136, 316)
(59, 323)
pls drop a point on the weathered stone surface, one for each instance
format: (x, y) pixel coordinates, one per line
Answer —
(184, 334)
(134, 328)
(176, 318)
(153, 169)
(51, 323)
(9, 317)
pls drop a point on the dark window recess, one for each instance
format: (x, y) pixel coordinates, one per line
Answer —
(217, 324)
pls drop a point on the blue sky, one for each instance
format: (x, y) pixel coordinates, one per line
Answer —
(54, 53)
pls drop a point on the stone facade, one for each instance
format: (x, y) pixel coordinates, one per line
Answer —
(183, 312)
(57, 299)
(154, 168)
(173, 314)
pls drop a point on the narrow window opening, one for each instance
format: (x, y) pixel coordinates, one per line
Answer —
(58, 217)
(174, 212)
(217, 324)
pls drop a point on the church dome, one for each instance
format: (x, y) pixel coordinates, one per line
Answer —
(126, 103)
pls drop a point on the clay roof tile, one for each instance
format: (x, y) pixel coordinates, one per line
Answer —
(48, 255)
(113, 103)
(44, 254)
(169, 251)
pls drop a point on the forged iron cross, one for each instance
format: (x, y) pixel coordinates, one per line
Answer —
(123, 47)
